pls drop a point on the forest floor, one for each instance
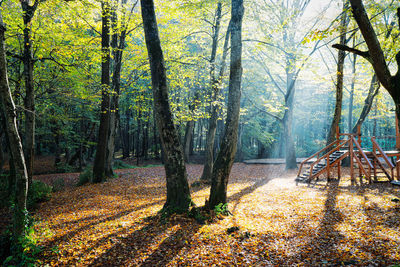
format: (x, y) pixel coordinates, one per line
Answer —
(280, 223)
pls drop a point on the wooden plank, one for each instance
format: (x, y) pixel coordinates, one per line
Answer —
(395, 182)
(274, 161)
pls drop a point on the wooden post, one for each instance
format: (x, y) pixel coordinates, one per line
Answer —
(359, 134)
(351, 159)
(328, 167)
(337, 132)
(338, 169)
(397, 133)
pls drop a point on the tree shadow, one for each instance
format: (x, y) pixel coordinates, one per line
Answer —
(324, 241)
(94, 220)
(127, 250)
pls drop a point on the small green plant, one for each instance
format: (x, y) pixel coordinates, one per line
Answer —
(222, 209)
(58, 184)
(196, 214)
(63, 167)
(41, 192)
(119, 164)
(25, 254)
(85, 176)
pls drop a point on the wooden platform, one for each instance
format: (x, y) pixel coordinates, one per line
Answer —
(272, 161)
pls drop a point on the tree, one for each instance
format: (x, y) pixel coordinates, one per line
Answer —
(339, 83)
(226, 155)
(20, 217)
(215, 92)
(27, 58)
(285, 41)
(178, 194)
(375, 53)
(99, 165)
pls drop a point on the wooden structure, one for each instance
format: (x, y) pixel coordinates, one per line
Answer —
(369, 163)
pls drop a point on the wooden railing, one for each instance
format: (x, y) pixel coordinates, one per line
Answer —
(316, 154)
(375, 147)
(359, 163)
(326, 157)
(398, 169)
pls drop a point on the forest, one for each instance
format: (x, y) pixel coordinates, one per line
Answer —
(199, 133)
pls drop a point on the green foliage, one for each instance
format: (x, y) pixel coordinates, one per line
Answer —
(24, 253)
(85, 176)
(40, 192)
(58, 184)
(119, 164)
(196, 213)
(62, 167)
(222, 209)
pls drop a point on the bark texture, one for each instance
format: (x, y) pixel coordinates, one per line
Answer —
(375, 53)
(226, 155)
(118, 45)
(372, 92)
(178, 193)
(99, 171)
(28, 13)
(339, 83)
(214, 110)
(21, 177)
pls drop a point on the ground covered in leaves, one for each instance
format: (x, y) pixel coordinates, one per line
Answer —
(276, 223)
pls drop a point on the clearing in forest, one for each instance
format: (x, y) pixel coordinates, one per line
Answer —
(280, 223)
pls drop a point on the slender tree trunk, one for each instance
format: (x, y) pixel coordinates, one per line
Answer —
(353, 81)
(118, 44)
(125, 135)
(178, 193)
(145, 143)
(372, 92)
(188, 137)
(290, 152)
(155, 138)
(99, 172)
(215, 110)
(20, 219)
(226, 155)
(339, 84)
(138, 131)
(28, 13)
(57, 150)
(2, 157)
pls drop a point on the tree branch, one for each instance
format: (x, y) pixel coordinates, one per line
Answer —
(377, 57)
(363, 54)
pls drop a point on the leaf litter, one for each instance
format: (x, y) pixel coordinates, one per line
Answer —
(275, 222)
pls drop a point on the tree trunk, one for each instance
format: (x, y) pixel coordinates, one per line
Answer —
(125, 135)
(117, 46)
(339, 84)
(215, 110)
(138, 131)
(290, 151)
(178, 193)
(28, 13)
(353, 81)
(188, 138)
(99, 172)
(2, 157)
(20, 219)
(226, 155)
(373, 91)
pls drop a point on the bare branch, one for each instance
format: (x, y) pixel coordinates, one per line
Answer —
(364, 54)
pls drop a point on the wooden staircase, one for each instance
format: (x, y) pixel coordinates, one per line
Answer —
(368, 162)
(321, 167)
